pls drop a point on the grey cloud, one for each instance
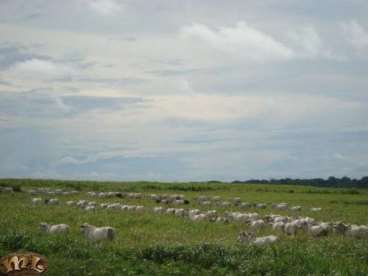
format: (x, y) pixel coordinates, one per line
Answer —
(85, 103)
(11, 54)
(342, 79)
(158, 13)
(5, 83)
(175, 72)
(48, 105)
(119, 167)
(120, 82)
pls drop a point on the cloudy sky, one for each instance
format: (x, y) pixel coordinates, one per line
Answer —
(183, 90)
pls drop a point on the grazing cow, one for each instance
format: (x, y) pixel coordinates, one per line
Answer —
(245, 205)
(257, 224)
(94, 233)
(199, 217)
(278, 226)
(139, 208)
(54, 229)
(179, 212)
(225, 204)
(36, 200)
(358, 231)
(260, 241)
(222, 220)
(261, 205)
(281, 206)
(90, 208)
(296, 208)
(170, 211)
(290, 228)
(216, 198)
(237, 201)
(114, 206)
(319, 230)
(158, 210)
(52, 201)
(70, 202)
(340, 228)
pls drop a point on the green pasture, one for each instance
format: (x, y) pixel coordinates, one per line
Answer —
(153, 244)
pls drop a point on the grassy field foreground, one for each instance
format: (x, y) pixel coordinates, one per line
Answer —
(152, 244)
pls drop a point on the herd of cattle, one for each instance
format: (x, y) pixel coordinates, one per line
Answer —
(289, 225)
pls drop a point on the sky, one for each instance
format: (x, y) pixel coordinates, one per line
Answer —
(178, 90)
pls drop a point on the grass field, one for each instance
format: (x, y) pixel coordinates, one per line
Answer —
(154, 244)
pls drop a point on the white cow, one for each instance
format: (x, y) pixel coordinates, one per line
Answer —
(358, 231)
(278, 226)
(54, 229)
(52, 201)
(36, 200)
(260, 241)
(257, 224)
(321, 229)
(158, 210)
(94, 233)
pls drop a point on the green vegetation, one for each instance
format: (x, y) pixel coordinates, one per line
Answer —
(152, 244)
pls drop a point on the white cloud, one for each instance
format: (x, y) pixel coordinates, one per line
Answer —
(208, 107)
(100, 156)
(41, 69)
(105, 7)
(241, 40)
(356, 35)
(307, 42)
(270, 110)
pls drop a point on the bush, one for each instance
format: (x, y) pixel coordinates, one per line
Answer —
(17, 241)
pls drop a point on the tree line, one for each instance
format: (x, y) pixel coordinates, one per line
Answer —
(331, 181)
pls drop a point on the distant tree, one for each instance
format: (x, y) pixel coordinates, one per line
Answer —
(331, 181)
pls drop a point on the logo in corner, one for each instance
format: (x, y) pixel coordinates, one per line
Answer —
(22, 264)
